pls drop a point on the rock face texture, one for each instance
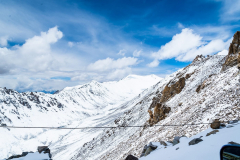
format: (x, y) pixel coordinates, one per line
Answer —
(172, 88)
(233, 57)
(160, 113)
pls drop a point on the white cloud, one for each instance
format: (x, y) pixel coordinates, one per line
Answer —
(154, 63)
(180, 44)
(122, 52)
(137, 53)
(223, 52)
(34, 55)
(212, 47)
(109, 63)
(4, 41)
(186, 46)
(119, 73)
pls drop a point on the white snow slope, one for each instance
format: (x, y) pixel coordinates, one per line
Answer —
(219, 99)
(208, 149)
(80, 106)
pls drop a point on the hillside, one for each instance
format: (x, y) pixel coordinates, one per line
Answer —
(73, 106)
(199, 93)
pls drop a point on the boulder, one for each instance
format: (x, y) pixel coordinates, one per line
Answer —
(153, 147)
(144, 150)
(148, 149)
(215, 124)
(44, 149)
(176, 140)
(163, 143)
(195, 141)
(131, 157)
(212, 132)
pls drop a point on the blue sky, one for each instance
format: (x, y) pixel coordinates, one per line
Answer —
(48, 45)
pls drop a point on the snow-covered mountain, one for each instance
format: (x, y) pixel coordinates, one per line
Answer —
(70, 107)
(205, 90)
(217, 98)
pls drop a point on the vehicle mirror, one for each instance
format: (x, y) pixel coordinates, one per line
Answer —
(230, 152)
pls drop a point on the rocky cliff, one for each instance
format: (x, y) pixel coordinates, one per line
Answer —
(233, 57)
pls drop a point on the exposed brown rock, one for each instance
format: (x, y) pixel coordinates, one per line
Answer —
(159, 114)
(150, 121)
(198, 88)
(215, 124)
(233, 52)
(171, 90)
(187, 76)
(202, 86)
(155, 100)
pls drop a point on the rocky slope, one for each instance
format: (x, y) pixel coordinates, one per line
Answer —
(208, 146)
(198, 93)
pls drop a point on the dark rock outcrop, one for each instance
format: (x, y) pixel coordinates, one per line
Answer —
(131, 157)
(195, 141)
(215, 124)
(176, 140)
(18, 156)
(212, 132)
(44, 149)
(233, 57)
(148, 149)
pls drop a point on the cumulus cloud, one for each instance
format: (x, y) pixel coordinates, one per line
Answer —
(34, 55)
(185, 46)
(109, 63)
(223, 52)
(154, 63)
